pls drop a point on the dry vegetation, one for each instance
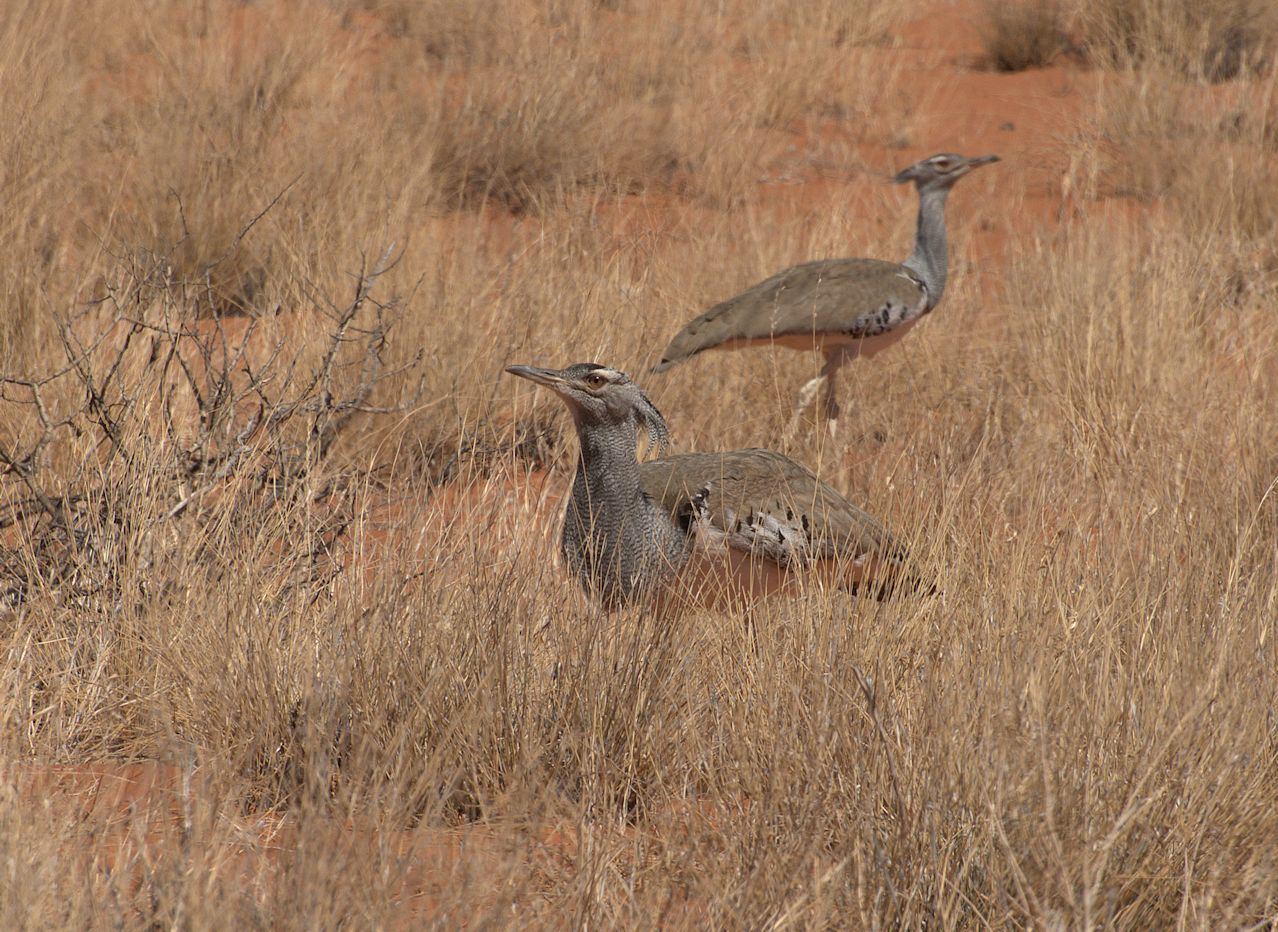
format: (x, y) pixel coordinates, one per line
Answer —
(1022, 34)
(1210, 40)
(284, 643)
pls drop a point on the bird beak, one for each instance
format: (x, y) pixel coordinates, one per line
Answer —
(983, 160)
(547, 377)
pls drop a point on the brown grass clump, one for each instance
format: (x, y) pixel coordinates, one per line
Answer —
(1215, 40)
(1212, 41)
(1204, 152)
(286, 643)
(1022, 34)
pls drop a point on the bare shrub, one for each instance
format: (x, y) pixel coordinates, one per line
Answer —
(160, 414)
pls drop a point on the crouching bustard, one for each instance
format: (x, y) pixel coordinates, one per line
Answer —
(698, 528)
(843, 308)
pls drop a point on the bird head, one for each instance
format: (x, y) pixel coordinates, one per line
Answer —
(941, 171)
(600, 396)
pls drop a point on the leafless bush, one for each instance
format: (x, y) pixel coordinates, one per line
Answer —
(147, 397)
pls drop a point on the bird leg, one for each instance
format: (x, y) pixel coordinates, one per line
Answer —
(806, 396)
(831, 405)
(834, 358)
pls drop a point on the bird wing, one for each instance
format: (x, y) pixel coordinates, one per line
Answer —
(764, 504)
(856, 298)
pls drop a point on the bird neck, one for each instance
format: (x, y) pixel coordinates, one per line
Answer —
(617, 541)
(608, 471)
(930, 257)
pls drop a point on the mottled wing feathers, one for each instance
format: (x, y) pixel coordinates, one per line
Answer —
(765, 504)
(855, 298)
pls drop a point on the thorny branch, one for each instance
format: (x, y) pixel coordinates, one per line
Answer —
(154, 391)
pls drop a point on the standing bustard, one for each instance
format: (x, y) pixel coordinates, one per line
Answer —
(698, 528)
(843, 308)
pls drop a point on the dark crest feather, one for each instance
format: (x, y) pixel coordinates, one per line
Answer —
(647, 414)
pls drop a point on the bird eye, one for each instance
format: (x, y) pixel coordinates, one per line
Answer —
(595, 379)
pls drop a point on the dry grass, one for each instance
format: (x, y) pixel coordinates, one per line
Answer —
(1211, 41)
(1205, 153)
(313, 578)
(1022, 34)
(1215, 40)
